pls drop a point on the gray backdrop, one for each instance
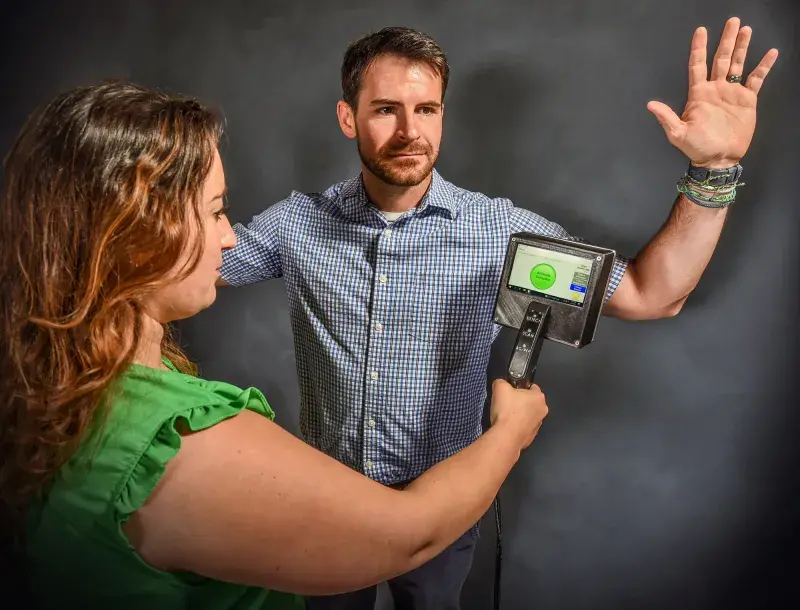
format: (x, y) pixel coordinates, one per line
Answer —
(664, 477)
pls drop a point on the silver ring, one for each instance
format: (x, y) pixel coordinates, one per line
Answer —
(734, 79)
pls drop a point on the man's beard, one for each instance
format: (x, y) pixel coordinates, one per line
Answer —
(399, 171)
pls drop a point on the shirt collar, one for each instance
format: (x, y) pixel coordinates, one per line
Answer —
(354, 202)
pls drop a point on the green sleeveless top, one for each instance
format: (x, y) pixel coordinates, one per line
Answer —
(78, 555)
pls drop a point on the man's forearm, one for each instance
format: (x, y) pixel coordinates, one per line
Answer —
(669, 267)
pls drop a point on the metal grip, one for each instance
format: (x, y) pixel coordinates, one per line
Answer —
(524, 358)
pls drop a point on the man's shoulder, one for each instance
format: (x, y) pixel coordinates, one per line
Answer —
(474, 201)
(298, 200)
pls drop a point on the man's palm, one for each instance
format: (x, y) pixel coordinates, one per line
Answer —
(717, 124)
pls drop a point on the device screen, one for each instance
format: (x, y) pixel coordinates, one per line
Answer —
(555, 275)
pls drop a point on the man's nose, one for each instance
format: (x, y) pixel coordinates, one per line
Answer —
(407, 129)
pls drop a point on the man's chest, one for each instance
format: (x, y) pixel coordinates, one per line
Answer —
(429, 278)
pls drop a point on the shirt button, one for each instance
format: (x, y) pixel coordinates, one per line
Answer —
(374, 374)
(378, 326)
(387, 232)
(369, 464)
(371, 423)
(383, 279)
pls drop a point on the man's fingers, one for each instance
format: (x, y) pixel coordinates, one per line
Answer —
(671, 122)
(740, 51)
(722, 58)
(757, 76)
(698, 71)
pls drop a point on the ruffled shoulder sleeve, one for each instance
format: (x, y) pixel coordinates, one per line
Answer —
(146, 417)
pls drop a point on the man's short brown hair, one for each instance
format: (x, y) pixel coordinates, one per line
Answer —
(399, 41)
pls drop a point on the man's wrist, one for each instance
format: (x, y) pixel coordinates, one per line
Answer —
(710, 187)
(715, 163)
(714, 178)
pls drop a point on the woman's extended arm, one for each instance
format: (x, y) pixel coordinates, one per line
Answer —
(247, 502)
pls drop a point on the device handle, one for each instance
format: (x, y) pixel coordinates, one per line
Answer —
(525, 357)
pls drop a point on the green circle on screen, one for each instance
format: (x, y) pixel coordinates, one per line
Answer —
(543, 276)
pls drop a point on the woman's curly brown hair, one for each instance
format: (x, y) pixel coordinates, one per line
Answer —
(100, 192)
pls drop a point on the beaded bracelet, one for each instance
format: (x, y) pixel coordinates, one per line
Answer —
(705, 195)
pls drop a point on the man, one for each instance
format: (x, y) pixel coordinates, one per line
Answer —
(391, 275)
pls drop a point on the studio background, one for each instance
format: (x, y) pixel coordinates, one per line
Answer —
(666, 473)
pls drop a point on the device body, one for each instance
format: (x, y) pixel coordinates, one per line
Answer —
(570, 277)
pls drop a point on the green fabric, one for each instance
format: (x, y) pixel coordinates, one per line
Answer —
(79, 557)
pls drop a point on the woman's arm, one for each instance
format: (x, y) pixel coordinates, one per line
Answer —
(247, 502)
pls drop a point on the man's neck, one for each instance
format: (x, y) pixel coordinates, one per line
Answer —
(389, 198)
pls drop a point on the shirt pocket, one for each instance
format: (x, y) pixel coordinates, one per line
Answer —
(443, 312)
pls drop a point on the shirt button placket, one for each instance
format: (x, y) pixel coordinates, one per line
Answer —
(377, 353)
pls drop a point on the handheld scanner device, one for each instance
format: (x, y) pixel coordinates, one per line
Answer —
(551, 289)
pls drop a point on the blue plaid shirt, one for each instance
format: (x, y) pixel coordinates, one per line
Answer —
(392, 322)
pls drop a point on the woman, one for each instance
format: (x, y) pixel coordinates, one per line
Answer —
(136, 483)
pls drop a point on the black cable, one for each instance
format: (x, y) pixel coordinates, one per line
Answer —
(498, 558)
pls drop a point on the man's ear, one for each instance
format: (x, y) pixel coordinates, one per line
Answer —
(347, 119)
